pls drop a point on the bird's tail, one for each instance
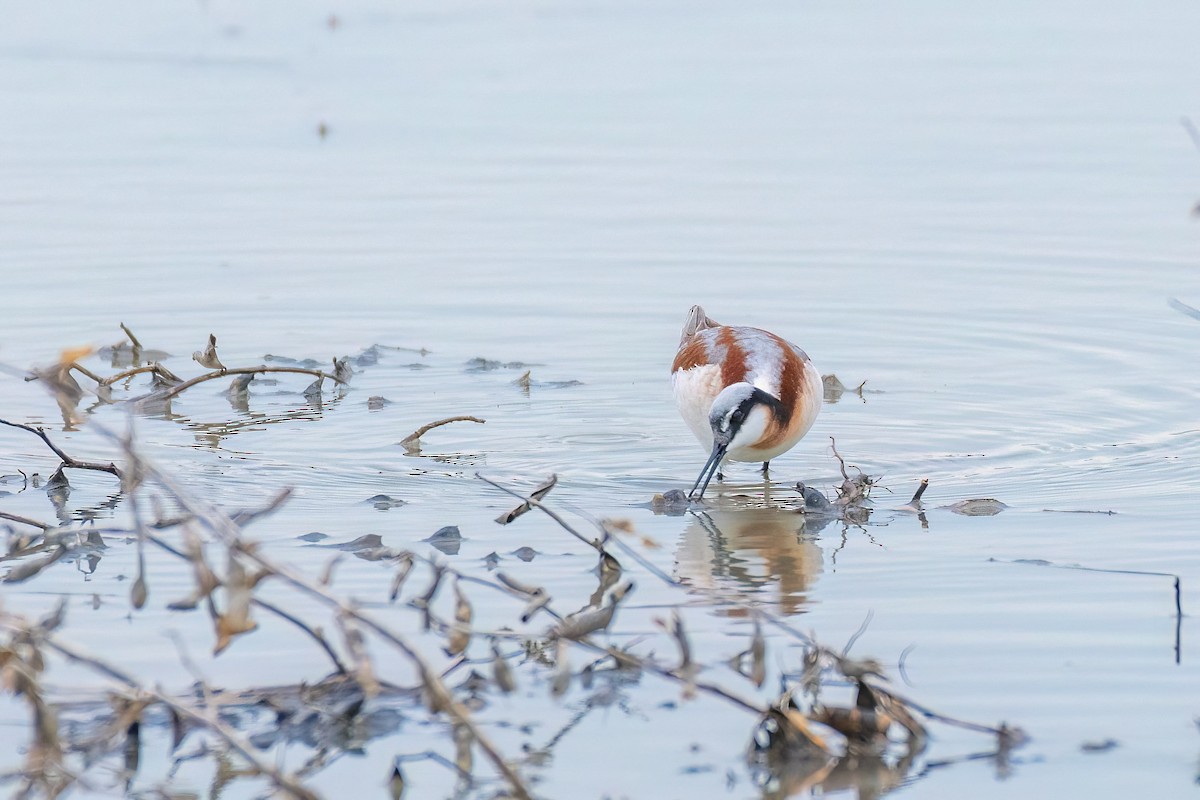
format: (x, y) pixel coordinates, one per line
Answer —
(696, 321)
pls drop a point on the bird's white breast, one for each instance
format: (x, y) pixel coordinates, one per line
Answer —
(695, 390)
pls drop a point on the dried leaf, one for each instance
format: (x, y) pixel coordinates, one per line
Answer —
(178, 729)
(133, 748)
(364, 670)
(609, 566)
(239, 387)
(501, 672)
(163, 378)
(327, 574)
(576, 626)
(675, 628)
(27, 570)
(861, 724)
(236, 619)
(978, 507)
(900, 713)
(517, 586)
(396, 782)
(447, 539)
(57, 481)
(73, 354)
(460, 632)
(463, 739)
(54, 619)
(785, 731)
(138, 592)
(403, 568)
(758, 656)
(537, 602)
(562, 669)
(539, 491)
(207, 357)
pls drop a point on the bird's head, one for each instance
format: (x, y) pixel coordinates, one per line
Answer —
(739, 417)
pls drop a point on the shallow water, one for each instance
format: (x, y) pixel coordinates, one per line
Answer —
(981, 213)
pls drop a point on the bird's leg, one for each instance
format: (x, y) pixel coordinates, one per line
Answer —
(766, 467)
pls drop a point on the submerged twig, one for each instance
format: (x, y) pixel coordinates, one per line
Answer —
(167, 394)
(412, 442)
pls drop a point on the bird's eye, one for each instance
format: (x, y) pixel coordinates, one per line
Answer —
(736, 418)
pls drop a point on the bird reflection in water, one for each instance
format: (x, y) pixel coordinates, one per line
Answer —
(751, 550)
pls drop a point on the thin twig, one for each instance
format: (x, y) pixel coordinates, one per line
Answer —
(414, 437)
(24, 520)
(132, 339)
(129, 373)
(75, 365)
(866, 623)
(333, 656)
(67, 461)
(929, 713)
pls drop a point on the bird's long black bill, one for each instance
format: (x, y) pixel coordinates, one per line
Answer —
(710, 468)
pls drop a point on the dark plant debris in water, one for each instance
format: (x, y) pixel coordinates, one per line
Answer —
(165, 385)
(800, 729)
(383, 502)
(977, 507)
(488, 365)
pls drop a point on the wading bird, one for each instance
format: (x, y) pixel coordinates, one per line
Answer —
(744, 392)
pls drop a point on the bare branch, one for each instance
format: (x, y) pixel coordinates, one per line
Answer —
(133, 340)
(67, 461)
(412, 442)
(24, 520)
(221, 373)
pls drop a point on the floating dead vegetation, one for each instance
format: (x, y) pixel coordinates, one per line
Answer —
(977, 507)
(526, 383)
(478, 364)
(134, 360)
(834, 389)
(384, 502)
(814, 716)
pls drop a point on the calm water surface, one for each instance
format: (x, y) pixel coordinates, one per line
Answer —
(979, 212)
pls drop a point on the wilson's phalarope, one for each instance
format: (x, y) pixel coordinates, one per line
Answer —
(746, 393)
